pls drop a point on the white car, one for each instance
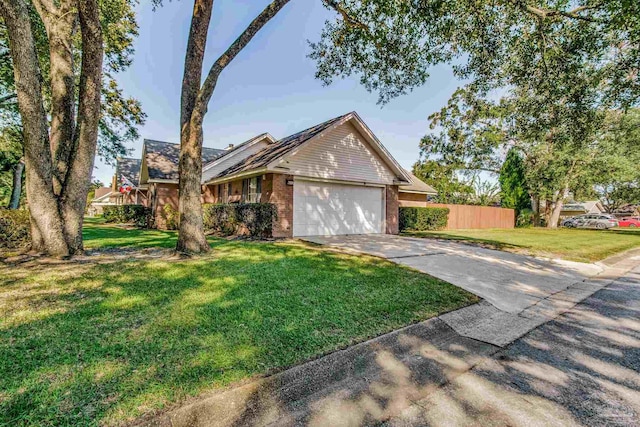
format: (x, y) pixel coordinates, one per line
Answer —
(597, 221)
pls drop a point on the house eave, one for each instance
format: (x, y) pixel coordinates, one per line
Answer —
(428, 193)
(239, 149)
(162, 181)
(233, 177)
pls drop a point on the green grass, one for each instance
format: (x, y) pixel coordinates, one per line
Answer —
(98, 235)
(571, 244)
(101, 344)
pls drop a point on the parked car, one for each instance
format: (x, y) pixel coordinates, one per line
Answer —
(632, 221)
(598, 221)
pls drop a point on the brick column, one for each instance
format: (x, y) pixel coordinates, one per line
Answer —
(275, 190)
(391, 200)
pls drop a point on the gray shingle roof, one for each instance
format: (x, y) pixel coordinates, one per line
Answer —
(162, 158)
(417, 185)
(279, 148)
(129, 168)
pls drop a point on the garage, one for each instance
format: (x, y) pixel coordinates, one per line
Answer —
(329, 209)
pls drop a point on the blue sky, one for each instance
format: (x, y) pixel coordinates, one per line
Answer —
(269, 87)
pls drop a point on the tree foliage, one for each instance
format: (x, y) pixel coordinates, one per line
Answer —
(390, 45)
(121, 115)
(444, 180)
(514, 193)
(616, 175)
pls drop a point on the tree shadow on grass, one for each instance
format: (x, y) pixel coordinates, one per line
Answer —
(581, 369)
(106, 343)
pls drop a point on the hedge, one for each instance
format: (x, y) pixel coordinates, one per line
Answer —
(422, 219)
(255, 219)
(14, 229)
(140, 215)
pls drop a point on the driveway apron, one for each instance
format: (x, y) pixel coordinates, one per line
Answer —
(520, 292)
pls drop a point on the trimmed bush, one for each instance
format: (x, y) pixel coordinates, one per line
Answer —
(14, 229)
(171, 216)
(139, 215)
(254, 219)
(220, 218)
(423, 219)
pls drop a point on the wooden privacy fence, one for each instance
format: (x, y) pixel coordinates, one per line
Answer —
(468, 216)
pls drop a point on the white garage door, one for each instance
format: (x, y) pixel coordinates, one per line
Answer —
(323, 209)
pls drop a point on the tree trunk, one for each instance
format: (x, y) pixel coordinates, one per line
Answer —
(194, 103)
(46, 222)
(556, 208)
(80, 161)
(59, 23)
(535, 207)
(191, 236)
(16, 190)
(58, 167)
(555, 214)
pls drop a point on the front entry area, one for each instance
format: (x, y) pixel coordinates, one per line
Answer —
(330, 209)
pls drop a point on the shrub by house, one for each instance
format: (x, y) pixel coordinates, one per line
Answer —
(253, 219)
(423, 219)
(139, 215)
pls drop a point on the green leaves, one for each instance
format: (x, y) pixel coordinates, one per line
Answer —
(390, 45)
(120, 115)
(514, 192)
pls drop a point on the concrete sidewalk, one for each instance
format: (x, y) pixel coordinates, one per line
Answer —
(392, 377)
(583, 369)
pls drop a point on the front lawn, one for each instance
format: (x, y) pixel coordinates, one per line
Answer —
(100, 344)
(571, 244)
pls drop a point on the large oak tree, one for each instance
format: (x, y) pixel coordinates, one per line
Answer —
(58, 59)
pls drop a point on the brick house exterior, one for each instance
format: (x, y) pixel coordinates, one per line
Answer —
(332, 178)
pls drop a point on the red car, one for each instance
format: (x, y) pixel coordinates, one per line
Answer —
(632, 221)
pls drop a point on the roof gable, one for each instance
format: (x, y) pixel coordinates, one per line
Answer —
(279, 148)
(236, 155)
(341, 153)
(279, 151)
(128, 168)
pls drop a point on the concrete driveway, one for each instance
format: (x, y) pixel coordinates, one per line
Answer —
(510, 282)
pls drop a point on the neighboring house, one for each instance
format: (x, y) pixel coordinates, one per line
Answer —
(418, 194)
(128, 169)
(101, 198)
(627, 210)
(333, 178)
(581, 208)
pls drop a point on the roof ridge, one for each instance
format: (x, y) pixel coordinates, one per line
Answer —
(336, 118)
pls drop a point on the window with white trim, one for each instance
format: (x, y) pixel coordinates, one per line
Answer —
(252, 189)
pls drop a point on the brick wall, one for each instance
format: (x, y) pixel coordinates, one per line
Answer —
(275, 190)
(164, 194)
(391, 201)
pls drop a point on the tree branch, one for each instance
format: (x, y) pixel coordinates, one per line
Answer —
(221, 63)
(550, 13)
(196, 45)
(8, 97)
(350, 20)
